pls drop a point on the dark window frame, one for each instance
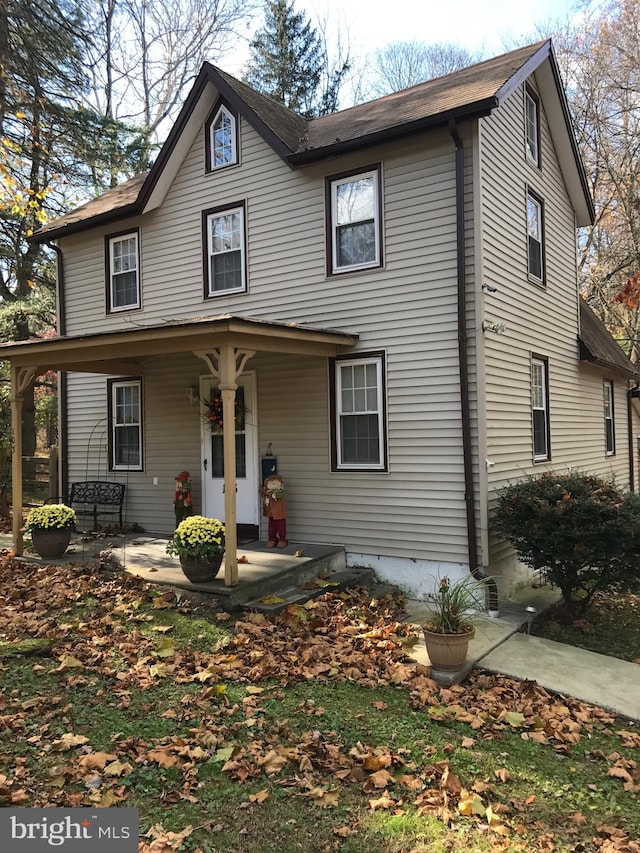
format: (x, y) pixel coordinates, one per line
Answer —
(539, 457)
(109, 239)
(529, 92)
(221, 105)
(538, 200)
(609, 419)
(206, 266)
(112, 383)
(335, 364)
(330, 229)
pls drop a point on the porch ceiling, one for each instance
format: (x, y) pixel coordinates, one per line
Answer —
(123, 351)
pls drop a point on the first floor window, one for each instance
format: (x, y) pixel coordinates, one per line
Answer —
(354, 203)
(540, 408)
(225, 251)
(535, 237)
(609, 427)
(123, 264)
(358, 409)
(125, 418)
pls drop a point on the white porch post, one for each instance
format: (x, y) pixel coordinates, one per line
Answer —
(228, 386)
(227, 363)
(20, 379)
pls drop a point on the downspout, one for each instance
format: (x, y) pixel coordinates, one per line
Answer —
(465, 406)
(63, 474)
(632, 393)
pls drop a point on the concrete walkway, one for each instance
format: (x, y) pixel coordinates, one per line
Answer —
(503, 646)
(500, 645)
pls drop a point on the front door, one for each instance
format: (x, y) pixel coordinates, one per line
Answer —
(247, 482)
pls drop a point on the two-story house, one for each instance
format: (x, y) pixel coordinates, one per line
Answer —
(386, 298)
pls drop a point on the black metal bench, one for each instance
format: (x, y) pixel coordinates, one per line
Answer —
(97, 498)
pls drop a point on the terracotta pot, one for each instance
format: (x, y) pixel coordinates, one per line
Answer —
(51, 544)
(201, 569)
(447, 652)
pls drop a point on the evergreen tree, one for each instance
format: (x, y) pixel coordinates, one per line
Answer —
(288, 60)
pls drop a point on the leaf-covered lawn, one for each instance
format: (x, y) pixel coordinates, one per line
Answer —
(313, 732)
(611, 626)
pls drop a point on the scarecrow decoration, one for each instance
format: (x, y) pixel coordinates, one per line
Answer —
(275, 508)
(182, 498)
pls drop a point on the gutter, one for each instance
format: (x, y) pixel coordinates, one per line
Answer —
(465, 406)
(632, 394)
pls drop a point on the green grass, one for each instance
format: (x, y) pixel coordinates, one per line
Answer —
(611, 626)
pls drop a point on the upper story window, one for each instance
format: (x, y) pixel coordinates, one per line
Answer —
(532, 125)
(540, 408)
(123, 271)
(354, 231)
(535, 236)
(125, 419)
(221, 139)
(358, 413)
(609, 425)
(224, 241)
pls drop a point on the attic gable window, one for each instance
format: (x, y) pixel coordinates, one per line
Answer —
(221, 139)
(224, 246)
(354, 231)
(123, 271)
(532, 125)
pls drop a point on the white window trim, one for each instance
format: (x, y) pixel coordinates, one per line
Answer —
(347, 179)
(118, 238)
(234, 140)
(540, 457)
(114, 426)
(211, 292)
(341, 465)
(608, 403)
(533, 199)
(531, 101)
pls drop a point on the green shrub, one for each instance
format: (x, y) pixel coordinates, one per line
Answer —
(580, 532)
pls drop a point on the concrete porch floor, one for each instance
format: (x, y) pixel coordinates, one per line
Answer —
(266, 571)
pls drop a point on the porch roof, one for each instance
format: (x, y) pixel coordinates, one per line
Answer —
(123, 351)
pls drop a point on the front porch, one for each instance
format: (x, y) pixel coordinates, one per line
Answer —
(265, 572)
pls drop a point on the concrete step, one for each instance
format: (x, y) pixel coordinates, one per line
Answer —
(278, 600)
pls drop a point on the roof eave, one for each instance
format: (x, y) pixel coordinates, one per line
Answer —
(588, 356)
(114, 215)
(477, 109)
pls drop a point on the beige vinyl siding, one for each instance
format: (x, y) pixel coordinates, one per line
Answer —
(407, 309)
(539, 320)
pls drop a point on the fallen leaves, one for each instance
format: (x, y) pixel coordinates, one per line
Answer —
(339, 636)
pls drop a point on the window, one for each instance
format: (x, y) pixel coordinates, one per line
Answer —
(355, 211)
(221, 139)
(358, 413)
(125, 419)
(609, 426)
(540, 408)
(532, 125)
(123, 272)
(225, 251)
(535, 236)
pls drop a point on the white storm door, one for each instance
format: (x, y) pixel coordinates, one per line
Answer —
(247, 483)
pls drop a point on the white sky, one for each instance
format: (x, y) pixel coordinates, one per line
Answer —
(490, 27)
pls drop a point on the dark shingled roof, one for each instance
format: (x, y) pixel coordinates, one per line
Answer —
(599, 347)
(470, 93)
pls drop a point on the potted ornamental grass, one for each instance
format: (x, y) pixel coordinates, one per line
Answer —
(448, 627)
(50, 527)
(198, 542)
